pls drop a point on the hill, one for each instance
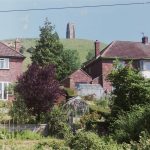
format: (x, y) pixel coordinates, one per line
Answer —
(81, 45)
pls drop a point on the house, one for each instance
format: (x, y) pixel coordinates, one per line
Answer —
(102, 64)
(11, 61)
(76, 78)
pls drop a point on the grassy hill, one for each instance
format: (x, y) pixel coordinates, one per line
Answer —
(81, 45)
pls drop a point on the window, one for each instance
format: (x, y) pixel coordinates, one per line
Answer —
(145, 65)
(4, 90)
(4, 63)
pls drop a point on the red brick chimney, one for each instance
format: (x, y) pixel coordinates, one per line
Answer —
(17, 45)
(97, 48)
(145, 40)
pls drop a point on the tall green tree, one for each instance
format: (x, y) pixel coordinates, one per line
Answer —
(70, 62)
(49, 50)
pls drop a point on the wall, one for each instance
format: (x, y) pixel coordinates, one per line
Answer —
(78, 76)
(15, 70)
(107, 66)
(90, 89)
(39, 128)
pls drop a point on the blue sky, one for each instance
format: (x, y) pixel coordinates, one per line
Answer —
(105, 24)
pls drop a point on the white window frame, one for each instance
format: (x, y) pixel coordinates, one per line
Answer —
(142, 68)
(5, 61)
(3, 89)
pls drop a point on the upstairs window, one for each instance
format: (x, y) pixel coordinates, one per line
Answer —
(4, 63)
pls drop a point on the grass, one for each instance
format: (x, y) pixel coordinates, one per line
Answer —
(83, 46)
(14, 144)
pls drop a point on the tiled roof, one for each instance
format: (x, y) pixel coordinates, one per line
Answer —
(126, 50)
(6, 51)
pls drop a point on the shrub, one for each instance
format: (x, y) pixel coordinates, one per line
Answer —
(84, 141)
(57, 121)
(19, 111)
(91, 141)
(90, 121)
(129, 125)
(70, 92)
(54, 145)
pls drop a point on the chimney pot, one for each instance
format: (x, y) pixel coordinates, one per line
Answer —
(17, 45)
(97, 48)
(145, 40)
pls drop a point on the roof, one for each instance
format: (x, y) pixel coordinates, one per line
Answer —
(6, 51)
(126, 50)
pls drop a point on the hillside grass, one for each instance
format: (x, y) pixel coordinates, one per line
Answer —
(82, 46)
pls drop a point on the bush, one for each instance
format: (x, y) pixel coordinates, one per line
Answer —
(54, 145)
(91, 141)
(70, 92)
(20, 113)
(90, 121)
(57, 121)
(84, 141)
(129, 125)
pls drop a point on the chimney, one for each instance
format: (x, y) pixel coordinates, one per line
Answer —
(145, 40)
(97, 48)
(17, 45)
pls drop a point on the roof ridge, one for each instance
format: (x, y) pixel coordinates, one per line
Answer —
(12, 49)
(107, 48)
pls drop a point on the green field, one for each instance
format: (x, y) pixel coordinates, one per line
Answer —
(81, 45)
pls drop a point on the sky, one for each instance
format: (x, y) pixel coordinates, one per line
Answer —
(106, 24)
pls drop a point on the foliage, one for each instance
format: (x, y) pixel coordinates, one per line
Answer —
(30, 50)
(91, 141)
(54, 145)
(85, 141)
(90, 97)
(130, 88)
(27, 135)
(19, 111)
(57, 120)
(70, 62)
(70, 92)
(22, 50)
(129, 125)
(24, 135)
(49, 50)
(4, 109)
(38, 88)
(90, 55)
(90, 121)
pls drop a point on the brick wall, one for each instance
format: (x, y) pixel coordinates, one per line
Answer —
(15, 70)
(78, 76)
(107, 66)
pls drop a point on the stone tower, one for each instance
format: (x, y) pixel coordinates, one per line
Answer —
(70, 32)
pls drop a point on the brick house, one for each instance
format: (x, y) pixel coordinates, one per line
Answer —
(102, 64)
(10, 67)
(76, 78)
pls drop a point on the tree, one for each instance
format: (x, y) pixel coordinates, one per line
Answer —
(90, 55)
(130, 88)
(39, 88)
(22, 49)
(49, 50)
(30, 49)
(70, 59)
